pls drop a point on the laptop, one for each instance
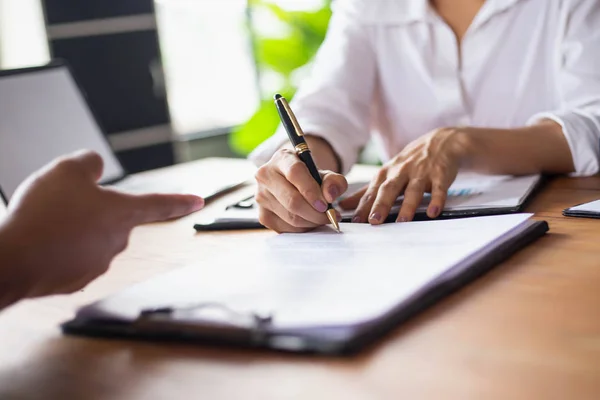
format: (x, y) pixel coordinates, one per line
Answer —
(44, 115)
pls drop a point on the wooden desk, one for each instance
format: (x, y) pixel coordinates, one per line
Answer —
(530, 329)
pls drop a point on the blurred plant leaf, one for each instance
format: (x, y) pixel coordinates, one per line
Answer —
(284, 16)
(260, 127)
(313, 24)
(281, 55)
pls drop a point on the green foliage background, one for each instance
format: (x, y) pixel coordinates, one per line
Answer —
(280, 55)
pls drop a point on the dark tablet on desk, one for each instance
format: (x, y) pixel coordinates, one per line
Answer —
(587, 210)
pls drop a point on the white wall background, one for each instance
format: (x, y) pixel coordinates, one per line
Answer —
(22, 34)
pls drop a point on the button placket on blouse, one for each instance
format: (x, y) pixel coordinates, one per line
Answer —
(448, 80)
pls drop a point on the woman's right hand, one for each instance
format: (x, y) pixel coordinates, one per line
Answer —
(289, 198)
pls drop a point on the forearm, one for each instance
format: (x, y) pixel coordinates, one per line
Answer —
(322, 152)
(13, 283)
(541, 148)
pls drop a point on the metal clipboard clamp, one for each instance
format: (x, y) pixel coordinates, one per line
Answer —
(244, 204)
(209, 320)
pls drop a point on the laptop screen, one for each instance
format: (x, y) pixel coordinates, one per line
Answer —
(43, 115)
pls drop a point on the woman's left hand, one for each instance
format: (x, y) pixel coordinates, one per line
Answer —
(428, 164)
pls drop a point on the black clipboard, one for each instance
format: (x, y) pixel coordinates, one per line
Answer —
(224, 222)
(571, 212)
(253, 330)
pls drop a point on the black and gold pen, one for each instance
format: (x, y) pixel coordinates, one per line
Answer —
(296, 135)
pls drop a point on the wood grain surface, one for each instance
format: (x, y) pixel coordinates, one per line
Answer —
(530, 329)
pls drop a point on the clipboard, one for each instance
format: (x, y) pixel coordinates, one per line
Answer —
(241, 215)
(216, 323)
(585, 210)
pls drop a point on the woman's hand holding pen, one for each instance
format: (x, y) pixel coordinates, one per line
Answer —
(289, 198)
(428, 164)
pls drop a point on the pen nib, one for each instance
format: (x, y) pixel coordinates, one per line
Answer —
(331, 214)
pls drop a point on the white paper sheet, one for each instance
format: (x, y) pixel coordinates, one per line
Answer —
(593, 206)
(320, 279)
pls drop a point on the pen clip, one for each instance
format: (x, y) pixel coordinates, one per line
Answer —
(291, 115)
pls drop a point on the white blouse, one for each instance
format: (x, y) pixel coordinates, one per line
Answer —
(392, 68)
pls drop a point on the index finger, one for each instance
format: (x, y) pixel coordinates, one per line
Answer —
(297, 173)
(365, 204)
(386, 197)
(162, 207)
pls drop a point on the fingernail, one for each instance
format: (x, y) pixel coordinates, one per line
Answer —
(376, 217)
(199, 203)
(356, 220)
(320, 206)
(334, 192)
(435, 211)
(402, 219)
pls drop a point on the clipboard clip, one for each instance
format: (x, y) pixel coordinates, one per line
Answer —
(222, 316)
(244, 204)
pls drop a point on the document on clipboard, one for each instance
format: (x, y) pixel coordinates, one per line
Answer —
(286, 292)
